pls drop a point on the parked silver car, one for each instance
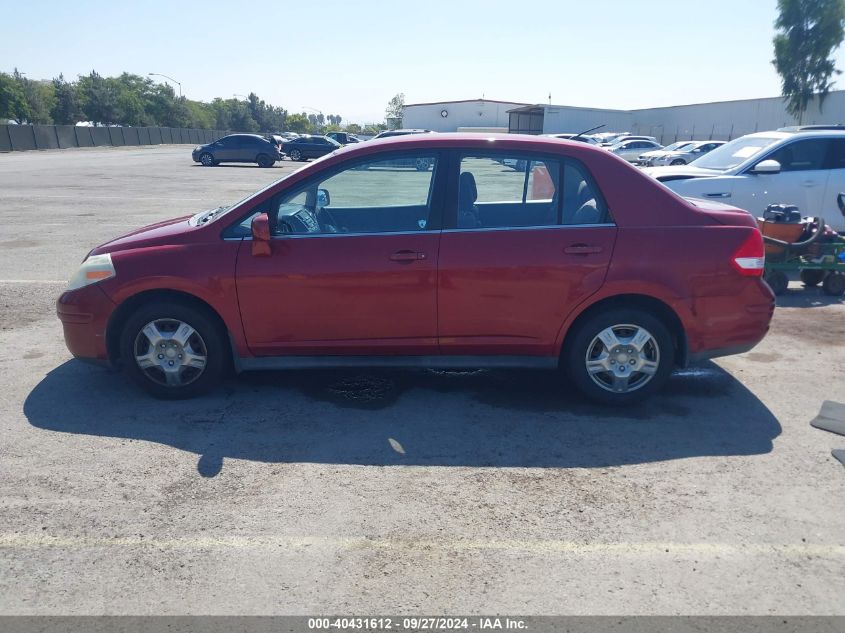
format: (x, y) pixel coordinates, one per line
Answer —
(687, 154)
(646, 159)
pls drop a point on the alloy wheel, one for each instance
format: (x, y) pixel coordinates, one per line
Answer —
(170, 352)
(622, 358)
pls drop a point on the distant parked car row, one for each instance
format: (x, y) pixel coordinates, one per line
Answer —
(265, 151)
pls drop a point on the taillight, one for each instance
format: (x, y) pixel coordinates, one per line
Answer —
(750, 259)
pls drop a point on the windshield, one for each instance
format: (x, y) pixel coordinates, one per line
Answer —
(734, 153)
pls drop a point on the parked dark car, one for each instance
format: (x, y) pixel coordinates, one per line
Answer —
(238, 148)
(344, 138)
(310, 146)
(581, 263)
(405, 132)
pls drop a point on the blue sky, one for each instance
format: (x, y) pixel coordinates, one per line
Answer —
(350, 57)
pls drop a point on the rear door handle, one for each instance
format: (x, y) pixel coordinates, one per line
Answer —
(407, 256)
(582, 249)
(721, 194)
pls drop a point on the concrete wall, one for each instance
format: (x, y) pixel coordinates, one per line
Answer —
(730, 119)
(479, 113)
(723, 120)
(28, 137)
(566, 119)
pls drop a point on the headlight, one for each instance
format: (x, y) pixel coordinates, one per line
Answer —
(95, 268)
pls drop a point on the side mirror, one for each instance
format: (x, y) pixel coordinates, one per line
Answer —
(261, 245)
(766, 167)
(323, 198)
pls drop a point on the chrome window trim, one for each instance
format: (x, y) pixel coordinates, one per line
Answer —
(529, 228)
(295, 236)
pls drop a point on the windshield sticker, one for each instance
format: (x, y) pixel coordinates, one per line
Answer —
(745, 152)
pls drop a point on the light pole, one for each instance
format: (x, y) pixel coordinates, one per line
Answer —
(170, 78)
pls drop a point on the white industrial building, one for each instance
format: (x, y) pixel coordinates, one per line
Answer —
(718, 120)
(450, 116)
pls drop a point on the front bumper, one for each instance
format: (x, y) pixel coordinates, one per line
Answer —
(85, 314)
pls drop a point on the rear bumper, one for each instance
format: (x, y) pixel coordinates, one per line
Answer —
(731, 324)
(84, 314)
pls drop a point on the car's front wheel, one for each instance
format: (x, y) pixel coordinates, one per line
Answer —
(295, 154)
(620, 356)
(173, 350)
(207, 160)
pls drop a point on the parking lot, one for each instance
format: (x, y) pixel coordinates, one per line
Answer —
(391, 491)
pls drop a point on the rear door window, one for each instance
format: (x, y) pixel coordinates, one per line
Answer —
(836, 154)
(500, 191)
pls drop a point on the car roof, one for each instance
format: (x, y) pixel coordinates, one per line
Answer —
(446, 140)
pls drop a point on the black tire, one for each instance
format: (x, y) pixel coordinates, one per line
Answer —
(207, 160)
(777, 280)
(295, 154)
(834, 284)
(264, 161)
(678, 161)
(811, 277)
(212, 340)
(583, 340)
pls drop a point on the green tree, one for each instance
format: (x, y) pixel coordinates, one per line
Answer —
(98, 98)
(297, 123)
(808, 31)
(66, 109)
(12, 101)
(353, 128)
(395, 111)
(39, 98)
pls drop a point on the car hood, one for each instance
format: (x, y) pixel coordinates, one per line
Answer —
(166, 232)
(681, 171)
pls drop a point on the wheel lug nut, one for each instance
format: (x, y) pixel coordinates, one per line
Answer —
(633, 362)
(161, 355)
(170, 362)
(180, 355)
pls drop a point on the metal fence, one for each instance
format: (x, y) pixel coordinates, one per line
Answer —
(26, 137)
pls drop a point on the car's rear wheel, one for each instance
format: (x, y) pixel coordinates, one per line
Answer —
(811, 277)
(173, 350)
(295, 154)
(207, 159)
(620, 356)
(264, 161)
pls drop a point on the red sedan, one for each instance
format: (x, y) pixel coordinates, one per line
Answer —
(503, 251)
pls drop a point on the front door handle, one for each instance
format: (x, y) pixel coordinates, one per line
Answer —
(721, 194)
(582, 249)
(407, 256)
